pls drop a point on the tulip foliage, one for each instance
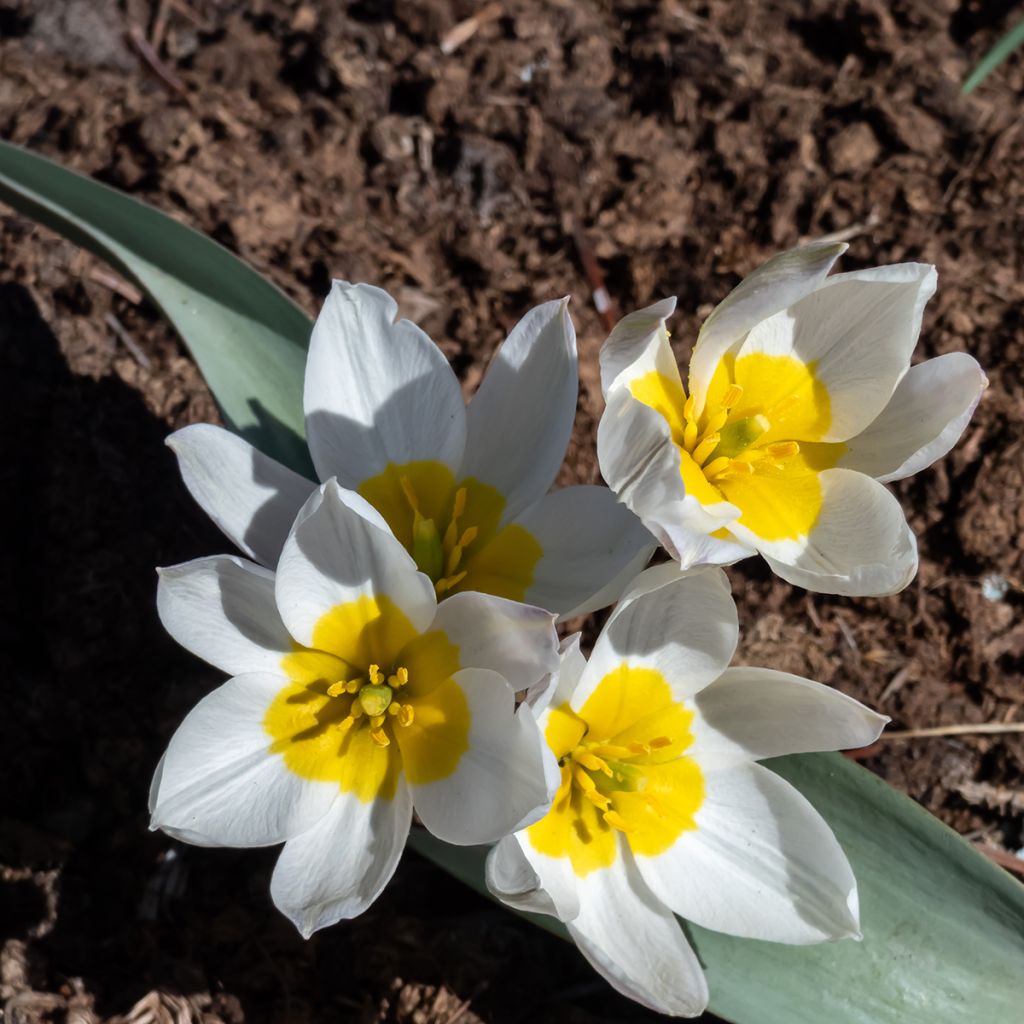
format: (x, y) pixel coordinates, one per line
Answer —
(405, 564)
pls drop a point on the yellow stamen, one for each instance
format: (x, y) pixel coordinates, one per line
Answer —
(449, 581)
(583, 780)
(688, 406)
(460, 503)
(659, 742)
(336, 689)
(717, 467)
(640, 748)
(733, 393)
(616, 820)
(352, 686)
(590, 761)
(380, 737)
(451, 534)
(468, 536)
(716, 422)
(454, 557)
(406, 714)
(409, 492)
(598, 799)
(705, 448)
(356, 710)
(400, 678)
(375, 674)
(782, 449)
(394, 708)
(376, 721)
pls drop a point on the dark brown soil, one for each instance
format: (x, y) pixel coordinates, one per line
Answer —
(687, 141)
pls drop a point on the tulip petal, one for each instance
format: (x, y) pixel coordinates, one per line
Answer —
(753, 713)
(335, 870)
(761, 864)
(377, 391)
(923, 420)
(558, 687)
(638, 344)
(593, 546)
(252, 498)
(681, 624)
(334, 556)
(776, 284)
(503, 781)
(857, 332)
(220, 784)
(860, 545)
(519, 421)
(632, 939)
(518, 641)
(529, 881)
(222, 610)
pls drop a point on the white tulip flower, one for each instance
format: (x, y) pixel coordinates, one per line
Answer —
(662, 808)
(463, 488)
(354, 697)
(801, 402)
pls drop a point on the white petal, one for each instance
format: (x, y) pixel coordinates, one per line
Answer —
(589, 541)
(219, 783)
(335, 556)
(512, 878)
(519, 422)
(222, 610)
(859, 330)
(860, 545)
(638, 344)
(761, 864)
(340, 866)
(776, 284)
(504, 781)
(558, 687)
(515, 640)
(252, 498)
(641, 465)
(632, 939)
(377, 391)
(685, 627)
(753, 713)
(923, 420)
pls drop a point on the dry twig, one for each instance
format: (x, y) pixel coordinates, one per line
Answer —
(138, 39)
(455, 37)
(128, 341)
(963, 729)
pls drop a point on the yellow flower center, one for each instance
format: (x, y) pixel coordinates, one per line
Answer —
(453, 530)
(623, 772)
(369, 700)
(757, 441)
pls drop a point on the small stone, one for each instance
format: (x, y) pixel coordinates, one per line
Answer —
(854, 149)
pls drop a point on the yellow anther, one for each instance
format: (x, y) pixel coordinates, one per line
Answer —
(733, 393)
(591, 761)
(468, 536)
(616, 820)
(716, 422)
(688, 406)
(400, 678)
(460, 503)
(409, 492)
(689, 435)
(598, 799)
(406, 714)
(336, 689)
(705, 448)
(375, 674)
(640, 748)
(352, 686)
(451, 535)
(583, 780)
(376, 721)
(448, 582)
(393, 708)
(357, 710)
(782, 449)
(454, 557)
(346, 723)
(659, 742)
(380, 737)
(717, 466)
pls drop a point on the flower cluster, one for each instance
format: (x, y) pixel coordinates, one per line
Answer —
(391, 635)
